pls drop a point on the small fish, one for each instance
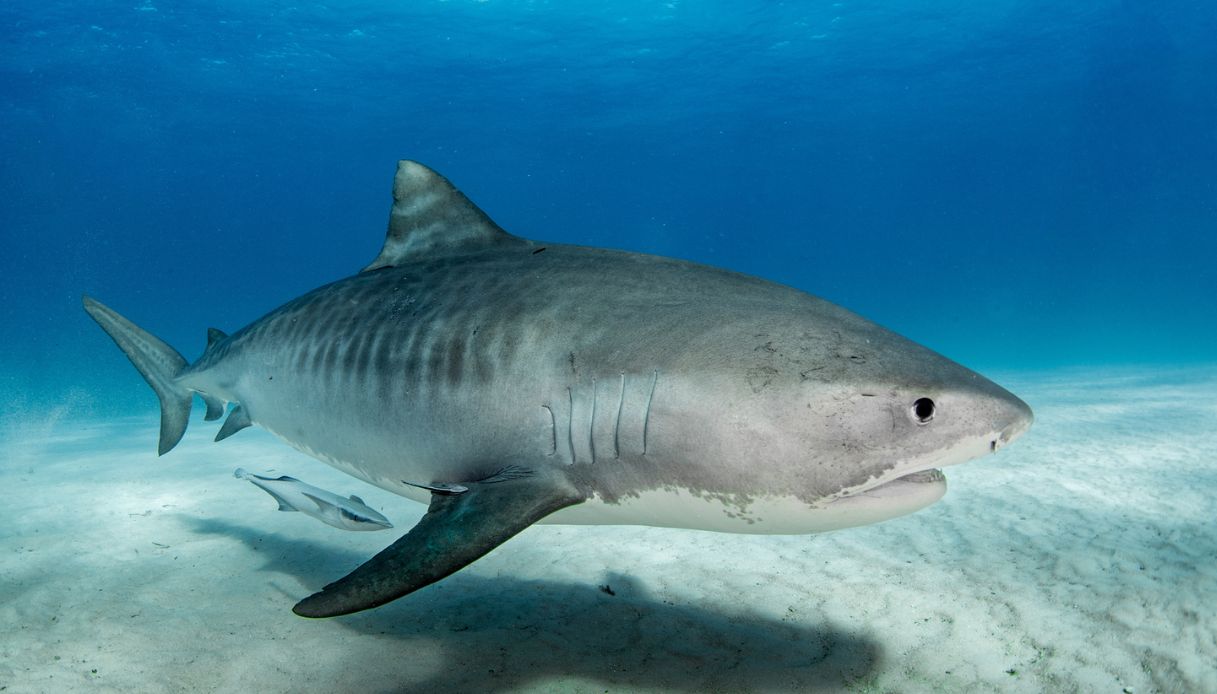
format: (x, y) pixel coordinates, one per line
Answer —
(349, 513)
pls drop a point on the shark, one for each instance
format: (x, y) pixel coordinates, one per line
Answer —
(504, 381)
(344, 513)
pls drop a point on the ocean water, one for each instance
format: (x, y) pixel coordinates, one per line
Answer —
(1029, 188)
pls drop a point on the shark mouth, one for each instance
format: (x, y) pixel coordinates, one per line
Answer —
(881, 499)
(926, 483)
(921, 483)
(919, 477)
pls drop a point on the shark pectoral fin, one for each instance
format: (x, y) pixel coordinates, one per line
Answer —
(215, 407)
(237, 420)
(456, 530)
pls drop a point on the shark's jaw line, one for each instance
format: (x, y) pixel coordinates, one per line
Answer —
(926, 470)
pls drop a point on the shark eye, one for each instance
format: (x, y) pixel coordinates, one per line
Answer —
(923, 410)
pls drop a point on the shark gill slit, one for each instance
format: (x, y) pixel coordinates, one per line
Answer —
(591, 425)
(646, 420)
(617, 424)
(553, 431)
(457, 349)
(570, 425)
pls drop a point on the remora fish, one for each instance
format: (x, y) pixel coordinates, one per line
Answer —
(504, 380)
(347, 513)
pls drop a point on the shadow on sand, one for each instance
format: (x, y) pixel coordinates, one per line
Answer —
(495, 633)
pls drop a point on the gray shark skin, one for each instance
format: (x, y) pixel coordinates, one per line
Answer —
(505, 381)
(344, 513)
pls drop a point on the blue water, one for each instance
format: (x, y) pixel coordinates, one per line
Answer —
(1017, 185)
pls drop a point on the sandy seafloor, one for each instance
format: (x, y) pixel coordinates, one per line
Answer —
(1082, 558)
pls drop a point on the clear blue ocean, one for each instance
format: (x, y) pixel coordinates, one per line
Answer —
(1029, 188)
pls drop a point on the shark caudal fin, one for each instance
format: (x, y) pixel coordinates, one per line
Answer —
(157, 362)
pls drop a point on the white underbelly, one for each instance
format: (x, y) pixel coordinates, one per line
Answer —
(677, 508)
(772, 515)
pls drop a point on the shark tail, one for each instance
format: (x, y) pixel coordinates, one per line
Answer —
(157, 362)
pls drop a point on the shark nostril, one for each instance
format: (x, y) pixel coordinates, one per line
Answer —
(1014, 430)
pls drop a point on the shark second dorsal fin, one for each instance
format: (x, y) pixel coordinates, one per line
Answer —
(214, 335)
(430, 217)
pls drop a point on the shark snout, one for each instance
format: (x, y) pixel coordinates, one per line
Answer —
(1016, 419)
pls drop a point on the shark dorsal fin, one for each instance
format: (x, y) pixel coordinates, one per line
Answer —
(430, 217)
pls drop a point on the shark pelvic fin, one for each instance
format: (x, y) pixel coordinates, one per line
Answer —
(430, 217)
(157, 362)
(456, 530)
(237, 420)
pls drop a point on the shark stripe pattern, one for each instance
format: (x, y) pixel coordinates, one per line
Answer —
(505, 381)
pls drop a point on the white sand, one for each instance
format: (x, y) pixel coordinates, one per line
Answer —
(1084, 557)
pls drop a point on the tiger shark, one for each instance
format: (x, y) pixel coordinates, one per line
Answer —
(504, 381)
